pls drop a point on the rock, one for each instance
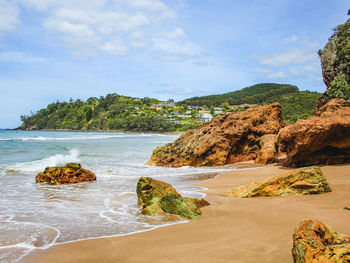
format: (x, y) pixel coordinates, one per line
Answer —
(335, 63)
(267, 149)
(70, 174)
(157, 197)
(227, 139)
(304, 181)
(314, 241)
(322, 139)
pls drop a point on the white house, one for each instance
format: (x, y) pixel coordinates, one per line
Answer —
(204, 117)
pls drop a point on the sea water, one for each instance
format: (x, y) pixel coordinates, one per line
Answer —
(36, 216)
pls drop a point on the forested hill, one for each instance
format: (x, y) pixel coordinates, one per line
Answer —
(256, 94)
(116, 112)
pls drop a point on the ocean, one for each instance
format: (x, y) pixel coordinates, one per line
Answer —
(36, 216)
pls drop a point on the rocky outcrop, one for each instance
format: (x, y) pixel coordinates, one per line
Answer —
(267, 149)
(313, 241)
(226, 139)
(323, 139)
(304, 181)
(335, 63)
(70, 174)
(157, 197)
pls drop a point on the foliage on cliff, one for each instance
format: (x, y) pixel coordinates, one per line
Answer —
(335, 61)
(255, 94)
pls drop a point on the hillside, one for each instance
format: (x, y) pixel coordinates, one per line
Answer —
(255, 94)
(116, 112)
(297, 105)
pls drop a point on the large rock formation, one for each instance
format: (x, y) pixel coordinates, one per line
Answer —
(157, 197)
(70, 174)
(304, 181)
(323, 139)
(313, 241)
(335, 62)
(226, 139)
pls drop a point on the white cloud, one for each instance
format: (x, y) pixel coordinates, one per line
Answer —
(171, 50)
(162, 10)
(269, 73)
(115, 47)
(87, 27)
(286, 58)
(293, 38)
(175, 34)
(113, 26)
(301, 61)
(20, 57)
(9, 13)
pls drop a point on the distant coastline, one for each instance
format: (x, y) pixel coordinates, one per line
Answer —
(103, 131)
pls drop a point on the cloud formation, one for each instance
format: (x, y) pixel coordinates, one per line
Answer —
(300, 61)
(9, 13)
(115, 27)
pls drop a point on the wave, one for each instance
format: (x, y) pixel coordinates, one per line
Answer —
(55, 160)
(91, 137)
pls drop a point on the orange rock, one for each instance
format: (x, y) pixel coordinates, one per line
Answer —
(230, 138)
(323, 139)
(268, 149)
(314, 241)
(69, 174)
(303, 181)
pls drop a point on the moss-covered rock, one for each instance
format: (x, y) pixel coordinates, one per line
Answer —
(157, 197)
(304, 181)
(314, 241)
(69, 174)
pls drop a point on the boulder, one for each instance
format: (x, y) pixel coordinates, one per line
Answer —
(70, 174)
(267, 149)
(227, 139)
(304, 181)
(157, 197)
(314, 241)
(322, 139)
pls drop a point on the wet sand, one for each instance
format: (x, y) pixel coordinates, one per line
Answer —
(230, 230)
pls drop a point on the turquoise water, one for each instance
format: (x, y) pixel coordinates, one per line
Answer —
(36, 216)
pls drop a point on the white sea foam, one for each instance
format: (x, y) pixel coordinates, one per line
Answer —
(81, 137)
(54, 160)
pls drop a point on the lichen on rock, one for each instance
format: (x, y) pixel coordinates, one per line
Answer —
(69, 174)
(304, 181)
(314, 241)
(157, 197)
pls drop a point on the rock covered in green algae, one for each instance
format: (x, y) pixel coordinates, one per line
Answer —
(314, 241)
(69, 174)
(157, 197)
(303, 181)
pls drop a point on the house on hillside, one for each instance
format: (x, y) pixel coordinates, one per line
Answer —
(204, 117)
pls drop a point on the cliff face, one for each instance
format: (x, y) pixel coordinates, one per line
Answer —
(335, 63)
(227, 139)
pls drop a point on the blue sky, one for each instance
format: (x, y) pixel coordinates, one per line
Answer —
(60, 49)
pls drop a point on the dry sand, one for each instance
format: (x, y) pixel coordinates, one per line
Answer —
(230, 230)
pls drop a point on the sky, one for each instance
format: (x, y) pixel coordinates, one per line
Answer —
(54, 50)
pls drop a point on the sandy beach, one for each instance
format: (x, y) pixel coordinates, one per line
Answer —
(230, 229)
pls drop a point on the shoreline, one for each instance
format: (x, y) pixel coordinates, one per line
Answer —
(230, 229)
(101, 131)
